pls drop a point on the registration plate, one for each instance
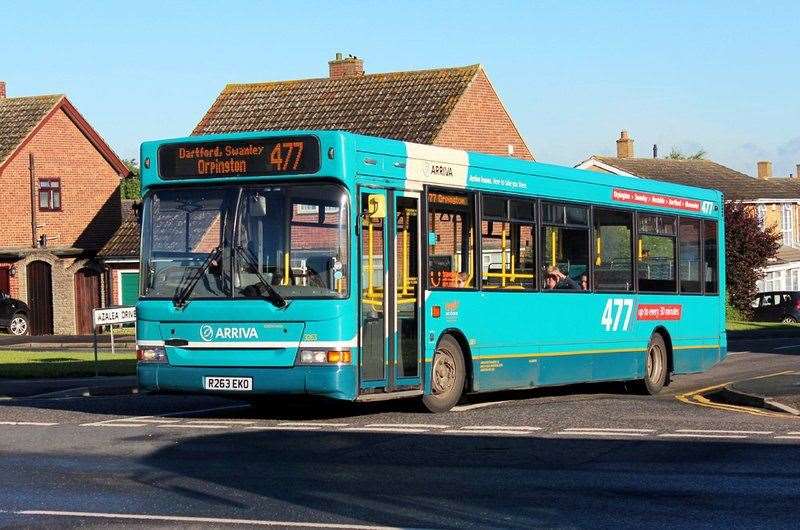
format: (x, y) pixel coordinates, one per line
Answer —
(235, 384)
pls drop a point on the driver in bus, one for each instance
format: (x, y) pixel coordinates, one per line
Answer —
(558, 280)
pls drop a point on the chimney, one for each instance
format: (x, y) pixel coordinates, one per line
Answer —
(624, 145)
(655, 151)
(764, 169)
(2, 89)
(350, 66)
(797, 171)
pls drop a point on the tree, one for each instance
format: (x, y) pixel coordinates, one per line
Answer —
(748, 250)
(130, 187)
(677, 154)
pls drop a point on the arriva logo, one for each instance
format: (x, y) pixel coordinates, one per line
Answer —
(207, 333)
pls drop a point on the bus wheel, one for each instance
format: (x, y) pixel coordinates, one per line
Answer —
(447, 376)
(656, 367)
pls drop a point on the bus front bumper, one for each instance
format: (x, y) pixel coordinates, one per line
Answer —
(337, 382)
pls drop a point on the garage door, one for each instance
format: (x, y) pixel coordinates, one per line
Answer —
(129, 288)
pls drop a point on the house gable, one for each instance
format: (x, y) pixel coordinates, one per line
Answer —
(480, 122)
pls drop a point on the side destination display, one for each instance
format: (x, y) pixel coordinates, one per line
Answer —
(236, 158)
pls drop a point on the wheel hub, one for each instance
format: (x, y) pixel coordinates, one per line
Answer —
(18, 326)
(444, 372)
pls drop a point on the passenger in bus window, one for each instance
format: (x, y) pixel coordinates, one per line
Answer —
(584, 282)
(558, 280)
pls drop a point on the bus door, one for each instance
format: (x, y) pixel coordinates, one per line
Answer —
(389, 292)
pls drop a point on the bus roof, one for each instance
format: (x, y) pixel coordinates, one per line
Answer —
(477, 170)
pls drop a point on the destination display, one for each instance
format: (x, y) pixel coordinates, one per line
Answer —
(653, 199)
(239, 158)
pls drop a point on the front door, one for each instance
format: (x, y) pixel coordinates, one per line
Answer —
(40, 297)
(87, 299)
(389, 294)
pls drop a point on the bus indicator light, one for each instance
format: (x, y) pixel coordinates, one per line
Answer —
(436, 311)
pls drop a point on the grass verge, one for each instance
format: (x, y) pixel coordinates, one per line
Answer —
(740, 325)
(16, 364)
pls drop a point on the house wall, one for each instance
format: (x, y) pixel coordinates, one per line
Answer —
(90, 199)
(89, 214)
(479, 122)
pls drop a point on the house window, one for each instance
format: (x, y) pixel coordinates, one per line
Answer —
(761, 212)
(773, 281)
(49, 194)
(787, 224)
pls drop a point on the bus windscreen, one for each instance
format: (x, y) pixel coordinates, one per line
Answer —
(237, 158)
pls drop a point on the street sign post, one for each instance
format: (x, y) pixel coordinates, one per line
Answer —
(109, 316)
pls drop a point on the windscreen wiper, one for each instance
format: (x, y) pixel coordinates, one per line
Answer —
(179, 300)
(273, 296)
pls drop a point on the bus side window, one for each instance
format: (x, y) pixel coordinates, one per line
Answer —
(655, 253)
(710, 257)
(565, 242)
(613, 243)
(451, 241)
(508, 243)
(689, 264)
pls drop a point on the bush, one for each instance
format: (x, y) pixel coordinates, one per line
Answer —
(748, 250)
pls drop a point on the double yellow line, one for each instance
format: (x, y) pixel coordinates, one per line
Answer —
(696, 397)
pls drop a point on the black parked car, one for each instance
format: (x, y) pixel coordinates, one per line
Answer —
(777, 306)
(13, 315)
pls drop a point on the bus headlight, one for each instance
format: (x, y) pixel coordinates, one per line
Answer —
(151, 354)
(317, 356)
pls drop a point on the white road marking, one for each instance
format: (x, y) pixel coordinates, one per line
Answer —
(711, 431)
(501, 427)
(504, 432)
(794, 433)
(688, 435)
(283, 428)
(409, 425)
(787, 437)
(221, 422)
(118, 424)
(609, 429)
(600, 433)
(28, 423)
(462, 408)
(191, 426)
(786, 347)
(155, 420)
(312, 424)
(208, 520)
(212, 409)
(386, 429)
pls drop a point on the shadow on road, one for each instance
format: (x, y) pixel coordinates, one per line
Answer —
(288, 407)
(471, 481)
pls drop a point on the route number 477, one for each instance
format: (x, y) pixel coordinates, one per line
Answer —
(612, 314)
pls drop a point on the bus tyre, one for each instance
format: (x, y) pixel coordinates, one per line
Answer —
(447, 376)
(656, 367)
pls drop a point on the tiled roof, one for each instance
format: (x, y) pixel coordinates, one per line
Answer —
(707, 174)
(125, 241)
(787, 254)
(410, 106)
(18, 117)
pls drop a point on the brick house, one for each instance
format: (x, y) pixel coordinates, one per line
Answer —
(59, 205)
(775, 200)
(448, 107)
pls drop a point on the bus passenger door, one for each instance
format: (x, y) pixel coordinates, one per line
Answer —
(406, 306)
(389, 293)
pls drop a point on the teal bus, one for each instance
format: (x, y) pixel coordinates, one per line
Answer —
(360, 268)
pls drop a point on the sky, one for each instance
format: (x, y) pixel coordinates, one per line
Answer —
(718, 76)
